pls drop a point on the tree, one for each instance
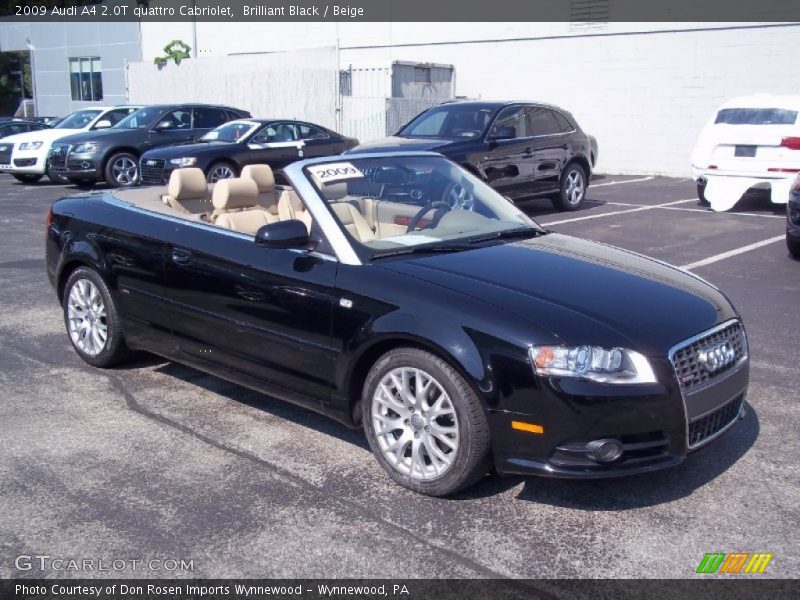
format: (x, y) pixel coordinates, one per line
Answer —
(10, 93)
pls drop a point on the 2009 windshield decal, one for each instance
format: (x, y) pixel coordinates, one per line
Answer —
(335, 172)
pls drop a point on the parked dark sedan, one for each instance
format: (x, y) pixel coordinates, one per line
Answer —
(400, 293)
(521, 149)
(223, 152)
(112, 155)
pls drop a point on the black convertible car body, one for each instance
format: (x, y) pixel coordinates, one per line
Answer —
(223, 152)
(401, 293)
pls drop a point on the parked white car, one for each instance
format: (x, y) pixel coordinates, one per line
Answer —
(25, 155)
(749, 142)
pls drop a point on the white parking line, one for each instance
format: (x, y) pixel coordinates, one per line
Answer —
(619, 212)
(729, 253)
(594, 185)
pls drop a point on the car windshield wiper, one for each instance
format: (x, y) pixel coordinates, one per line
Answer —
(424, 249)
(508, 234)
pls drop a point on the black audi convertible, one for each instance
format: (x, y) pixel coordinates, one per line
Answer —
(222, 152)
(399, 293)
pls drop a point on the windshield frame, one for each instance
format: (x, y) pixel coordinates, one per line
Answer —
(345, 245)
(495, 110)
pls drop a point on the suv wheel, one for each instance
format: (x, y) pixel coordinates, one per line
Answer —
(701, 194)
(793, 247)
(122, 170)
(573, 186)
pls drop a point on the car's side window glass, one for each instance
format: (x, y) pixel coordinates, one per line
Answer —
(510, 123)
(115, 116)
(309, 132)
(563, 123)
(281, 132)
(541, 121)
(180, 118)
(209, 118)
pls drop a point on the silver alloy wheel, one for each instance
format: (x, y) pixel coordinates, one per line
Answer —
(415, 423)
(124, 171)
(86, 316)
(220, 172)
(575, 187)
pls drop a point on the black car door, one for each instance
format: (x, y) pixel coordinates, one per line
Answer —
(259, 312)
(173, 127)
(508, 160)
(275, 144)
(317, 142)
(206, 118)
(550, 148)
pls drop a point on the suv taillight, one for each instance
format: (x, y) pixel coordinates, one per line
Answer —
(793, 143)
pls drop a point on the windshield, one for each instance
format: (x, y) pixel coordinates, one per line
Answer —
(756, 116)
(141, 119)
(230, 132)
(450, 121)
(78, 120)
(390, 205)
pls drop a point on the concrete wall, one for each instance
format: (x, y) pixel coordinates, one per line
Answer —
(53, 45)
(644, 89)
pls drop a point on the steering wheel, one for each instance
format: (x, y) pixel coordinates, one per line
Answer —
(457, 196)
(441, 207)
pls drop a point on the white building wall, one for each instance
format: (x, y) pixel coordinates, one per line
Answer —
(644, 89)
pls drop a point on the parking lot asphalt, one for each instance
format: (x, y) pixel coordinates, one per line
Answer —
(155, 460)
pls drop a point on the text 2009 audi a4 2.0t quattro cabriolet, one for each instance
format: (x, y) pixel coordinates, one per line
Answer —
(400, 292)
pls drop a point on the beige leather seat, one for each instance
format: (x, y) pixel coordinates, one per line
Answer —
(353, 221)
(236, 206)
(187, 191)
(291, 207)
(265, 180)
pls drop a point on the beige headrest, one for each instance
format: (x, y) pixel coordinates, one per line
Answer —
(262, 175)
(187, 184)
(335, 191)
(235, 193)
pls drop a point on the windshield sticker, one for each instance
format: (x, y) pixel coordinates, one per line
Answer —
(332, 172)
(413, 239)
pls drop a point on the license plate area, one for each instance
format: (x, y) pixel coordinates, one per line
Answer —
(745, 151)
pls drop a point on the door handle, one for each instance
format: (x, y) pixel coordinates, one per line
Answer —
(181, 257)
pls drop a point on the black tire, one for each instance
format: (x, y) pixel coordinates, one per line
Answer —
(28, 178)
(793, 246)
(566, 199)
(114, 350)
(701, 194)
(56, 178)
(471, 457)
(114, 167)
(84, 184)
(218, 166)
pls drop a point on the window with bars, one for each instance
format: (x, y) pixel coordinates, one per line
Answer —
(589, 14)
(85, 77)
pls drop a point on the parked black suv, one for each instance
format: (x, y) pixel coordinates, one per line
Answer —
(521, 149)
(113, 154)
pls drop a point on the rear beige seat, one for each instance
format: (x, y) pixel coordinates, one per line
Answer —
(236, 206)
(187, 191)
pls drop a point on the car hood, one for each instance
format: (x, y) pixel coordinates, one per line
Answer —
(397, 143)
(190, 149)
(42, 135)
(581, 292)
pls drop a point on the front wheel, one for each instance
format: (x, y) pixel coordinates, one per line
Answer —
(122, 170)
(793, 246)
(424, 423)
(572, 190)
(27, 178)
(220, 170)
(92, 320)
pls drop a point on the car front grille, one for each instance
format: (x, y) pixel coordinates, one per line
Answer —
(58, 155)
(705, 428)
(687, 359)
(5, 153)
(152, 171)
(24, 162)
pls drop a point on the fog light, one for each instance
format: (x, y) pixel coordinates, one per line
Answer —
(604, 451)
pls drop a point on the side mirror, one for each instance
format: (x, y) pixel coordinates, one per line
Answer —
(506, 132)
(104, 124)
(283, 234)
(163, 125)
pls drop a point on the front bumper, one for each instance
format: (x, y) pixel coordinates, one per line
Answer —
(24, 163)
(77, 166)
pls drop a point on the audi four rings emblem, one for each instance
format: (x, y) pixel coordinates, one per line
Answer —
(714, 358)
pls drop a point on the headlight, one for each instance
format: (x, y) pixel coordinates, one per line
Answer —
(86, 148)
(186, 161)
(604, 365)
(30, 145)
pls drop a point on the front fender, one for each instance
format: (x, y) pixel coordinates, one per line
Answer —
(78, 252)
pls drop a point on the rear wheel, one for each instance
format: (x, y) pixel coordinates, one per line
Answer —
(425, 424)
(122, 170)
(92, 320)
(220, 170)
(701, 194)
(572, 190)
(793, 247)
(27, 178)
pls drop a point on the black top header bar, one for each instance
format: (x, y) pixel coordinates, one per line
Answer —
(578, 11)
